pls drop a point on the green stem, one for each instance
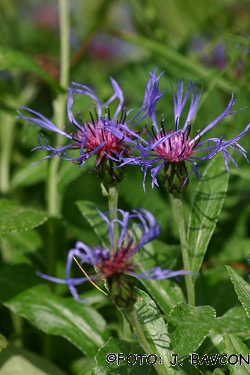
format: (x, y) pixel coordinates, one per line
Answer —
(7, 137)
(113, 201)
(177, 201)
(113, 204)
(53, 198)
(133, 318)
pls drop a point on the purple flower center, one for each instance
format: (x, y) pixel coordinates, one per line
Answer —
(112, 262)
(176, 148)
(94, 136)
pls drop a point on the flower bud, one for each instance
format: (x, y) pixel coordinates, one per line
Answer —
(175, 178)
(109, 173)
(122, 290)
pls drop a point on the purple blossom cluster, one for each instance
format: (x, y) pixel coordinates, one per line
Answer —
(163, 146)
(115, 138)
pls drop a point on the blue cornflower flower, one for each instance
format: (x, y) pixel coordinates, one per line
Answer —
(116, 260)
(92, 137)
(172, 148)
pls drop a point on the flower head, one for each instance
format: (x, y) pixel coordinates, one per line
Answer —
(90, 137)
(114, 261)
(94, 137)
(172, 148)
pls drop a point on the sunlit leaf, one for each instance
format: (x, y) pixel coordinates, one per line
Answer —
(155, 331)
(23, 362)
(237, 355)
(242, 289)
(186, 340)
(15, 218)
(81, 325)
(89, 212)
(206, 208)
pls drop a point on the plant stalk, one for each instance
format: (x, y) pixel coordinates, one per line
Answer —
(177, 201)
(60, 106)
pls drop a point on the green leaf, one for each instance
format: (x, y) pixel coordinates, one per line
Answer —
(15, 218)
(107, 359)
(204, 317)
(13, 59)
(3, 342)
(79, 324)
(17, 247)
(235, 321)
(26, 241)
(190, 316)
(89, 212)
(217, 371)
(242, 289)
(235, 347)
(187, 340)
(155, 331)
(206, 208)
(22, 362)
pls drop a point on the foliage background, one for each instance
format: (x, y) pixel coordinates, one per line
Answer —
(207, 42)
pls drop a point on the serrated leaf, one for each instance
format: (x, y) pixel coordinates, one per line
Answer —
(107, 359)
(81, 325)
(15, 218)
(23, 362)
(242, 289)
(205, 317)
(235, 321)
(89, 212)
(155, 331)
(206, 208)
(187, 340)
(13, 59)
(235, 347)
(190, 315)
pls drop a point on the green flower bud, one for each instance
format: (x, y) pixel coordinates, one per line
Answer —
(108, 172)
(175, 177)
(122, 290)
